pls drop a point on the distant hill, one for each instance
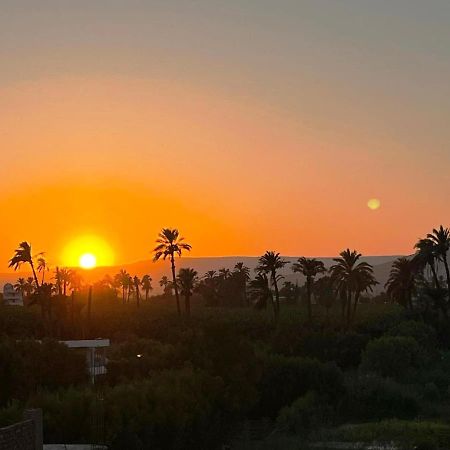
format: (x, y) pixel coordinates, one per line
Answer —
(382, 266)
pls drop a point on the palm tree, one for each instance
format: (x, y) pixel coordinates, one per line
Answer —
(30, 286)
(137, 284)
(401, 283)
(64, 275)
(122, 280)
(426, 255)
(169, 244)
(365, 281)
(441, 240)
(188, 280)
(243, 274)
(146, 285)
(42, 266)
(310, 268)
(269, 263)
(224, 273)
(21, 286)
(130, 287)
(348, 275)
(23, 255)
(261, 293)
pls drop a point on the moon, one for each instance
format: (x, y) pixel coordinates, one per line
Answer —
(374, 204)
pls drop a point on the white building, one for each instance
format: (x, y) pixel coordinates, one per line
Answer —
(11, 297)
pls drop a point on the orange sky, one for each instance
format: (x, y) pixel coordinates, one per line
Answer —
(241, 157)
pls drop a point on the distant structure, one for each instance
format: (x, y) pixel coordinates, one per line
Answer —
(11, 297)
(95, 355)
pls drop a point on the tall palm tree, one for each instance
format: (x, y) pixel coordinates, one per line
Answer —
(441, 240)
(122, 280)
(130, 287)
(347, 275)
(42, 266)
(146, 283)
(170, 244)
(23, 255)
(310, 268)
(243, 274)
(187, 278)
(402, 279)
(365, 281)
(426, 256)
(137, 285)
(269, 263)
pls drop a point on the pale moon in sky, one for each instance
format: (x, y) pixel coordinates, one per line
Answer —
(374, 204)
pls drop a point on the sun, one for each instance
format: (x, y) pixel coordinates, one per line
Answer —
(88, 252)
(88, 261)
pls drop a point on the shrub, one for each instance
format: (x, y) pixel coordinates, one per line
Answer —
(305, 414)
(285, 379)
(391, 356)
(372, 397)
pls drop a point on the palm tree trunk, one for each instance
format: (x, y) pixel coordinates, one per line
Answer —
(138, 297)
(435, 277)
(447, 272)
(355, 305)
(308, 297)
(349, 306)
(187, 304)
(35, 276)
(123, 295)
(175, 286)
(277, 293)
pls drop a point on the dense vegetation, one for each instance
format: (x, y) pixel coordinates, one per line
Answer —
(243, 359)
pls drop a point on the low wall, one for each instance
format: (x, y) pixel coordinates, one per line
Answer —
(26, 435)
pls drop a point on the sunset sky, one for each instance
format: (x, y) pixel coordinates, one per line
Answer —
(249, 125)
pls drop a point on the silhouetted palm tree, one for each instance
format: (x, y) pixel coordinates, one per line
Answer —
(365, 282)
(23, 255)
(261, 293)
(42, 266)
(401, 283)
(122, 280)
(137, 284)
(426, 256)
(146, 285)
(310, 268)
(169, 244)
(188, 280)
(63, 279)
(130, 287)
(347, 275)
(269, 263)
(441, 240)
(243, 274)
(21, 286)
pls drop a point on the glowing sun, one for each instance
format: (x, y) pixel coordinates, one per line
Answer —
(88, 252)
(88, 261)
